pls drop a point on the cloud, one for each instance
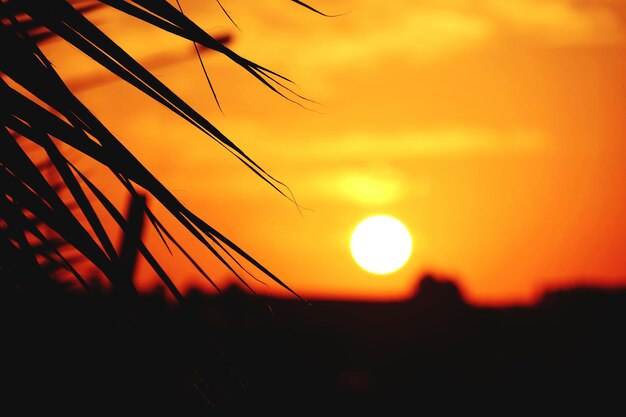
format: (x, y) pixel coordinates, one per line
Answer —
(440, 142)
(423, 35)
(370, 187)
(370, 32)
(558, 22)
(312, 49)
(360, 167)
(373, 186)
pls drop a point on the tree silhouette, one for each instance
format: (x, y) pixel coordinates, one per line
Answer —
(39, 111)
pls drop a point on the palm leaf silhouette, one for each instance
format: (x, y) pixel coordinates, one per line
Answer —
(38, 108)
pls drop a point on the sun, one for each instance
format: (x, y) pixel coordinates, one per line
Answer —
(381, 244)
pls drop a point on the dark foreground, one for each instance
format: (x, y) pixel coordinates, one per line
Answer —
(236, 354)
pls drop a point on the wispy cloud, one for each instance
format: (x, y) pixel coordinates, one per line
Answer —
(442, 142)
(559, 22)
(373, 186)
(423, 36)
(373, 31)
(412, 34)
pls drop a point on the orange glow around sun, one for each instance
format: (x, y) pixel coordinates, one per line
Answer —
(494, 129)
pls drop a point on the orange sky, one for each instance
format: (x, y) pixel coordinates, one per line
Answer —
(493, 129)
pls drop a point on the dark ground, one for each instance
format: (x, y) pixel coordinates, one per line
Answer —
(237, 354)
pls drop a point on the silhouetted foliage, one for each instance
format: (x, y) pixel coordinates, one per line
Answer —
(38, 109)
(236, 354)
(438, 292)
(103, 351)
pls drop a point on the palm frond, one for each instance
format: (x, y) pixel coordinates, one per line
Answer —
(39, 108)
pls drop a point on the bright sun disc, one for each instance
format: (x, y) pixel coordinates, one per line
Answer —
(381, 244)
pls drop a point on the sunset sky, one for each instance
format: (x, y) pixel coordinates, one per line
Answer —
(495, 130)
